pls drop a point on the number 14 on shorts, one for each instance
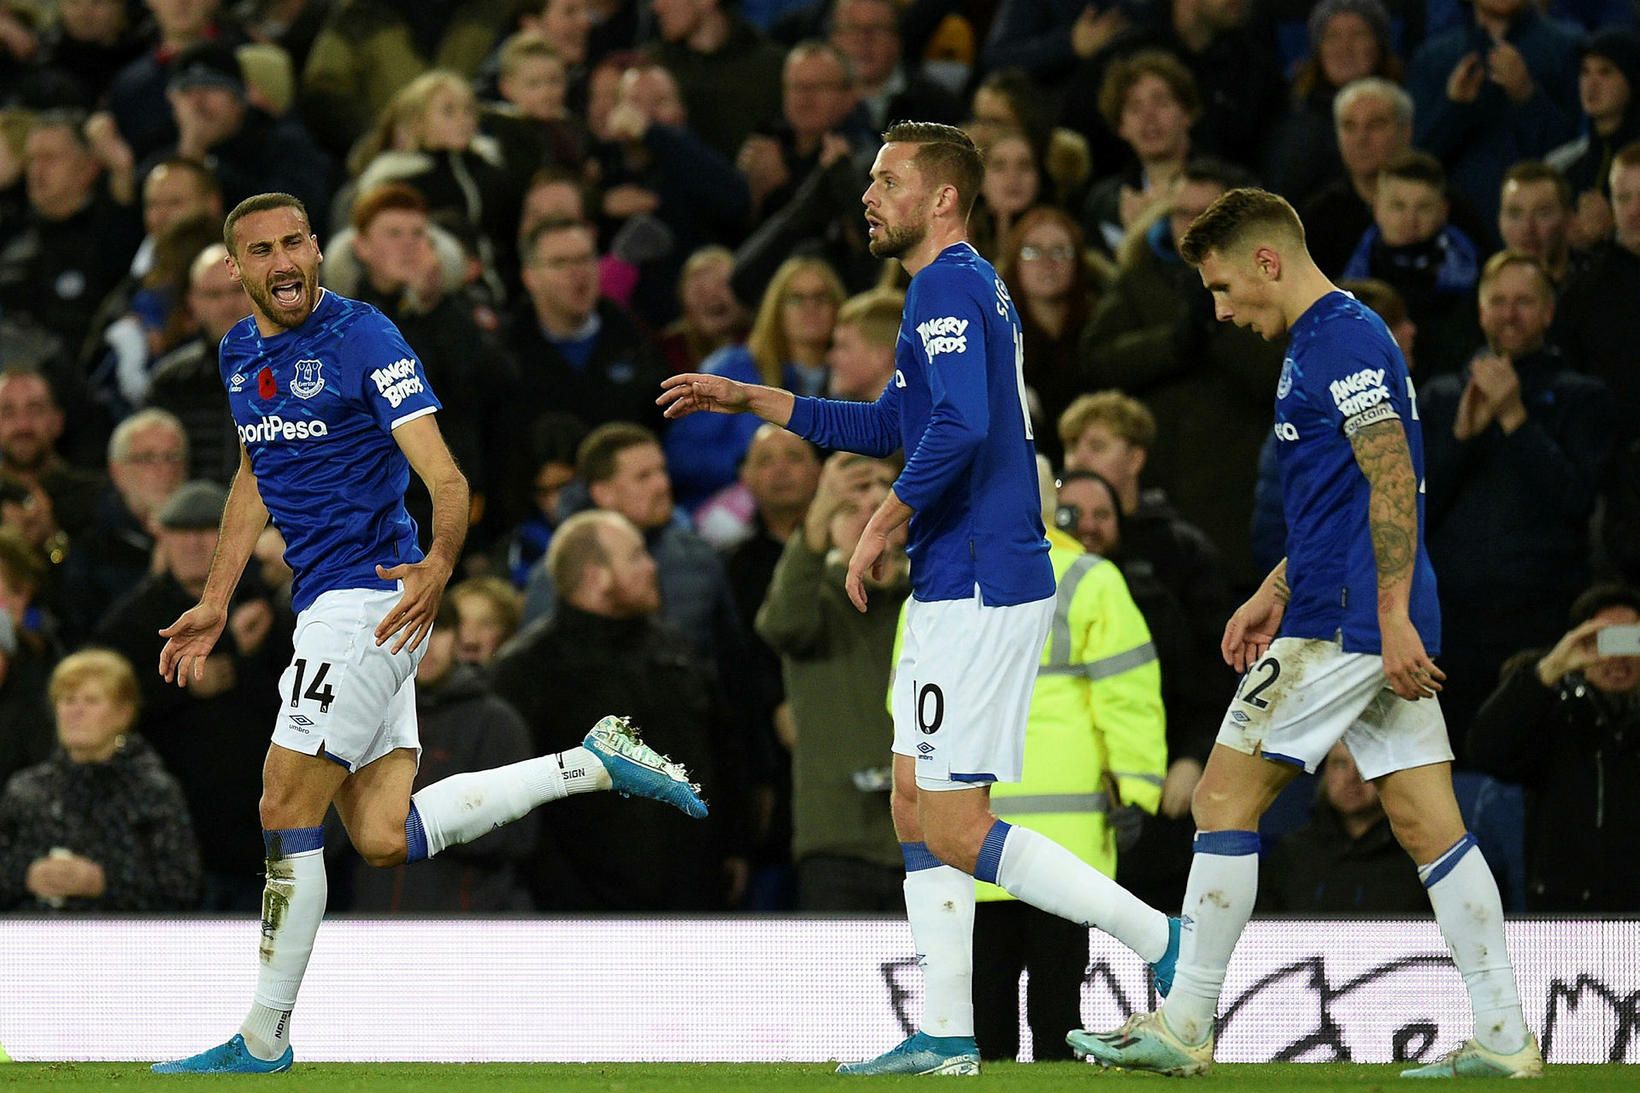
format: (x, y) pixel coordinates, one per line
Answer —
(318, 690)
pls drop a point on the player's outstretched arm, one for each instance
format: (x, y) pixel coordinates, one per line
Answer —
(190, 639)
(1253, 626)
(412, 617)
(1392, 517)
(684, 394)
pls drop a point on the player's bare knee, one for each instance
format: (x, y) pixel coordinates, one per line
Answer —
(280, 810)
(382, 849)
(907, 822)
(952, 848)
(1216, 807)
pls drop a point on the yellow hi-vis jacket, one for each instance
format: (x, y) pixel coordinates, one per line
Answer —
(1097, 734)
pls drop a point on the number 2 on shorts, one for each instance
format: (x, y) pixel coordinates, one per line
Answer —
(1252, 697)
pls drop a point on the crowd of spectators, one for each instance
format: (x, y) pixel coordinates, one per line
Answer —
(559, 202)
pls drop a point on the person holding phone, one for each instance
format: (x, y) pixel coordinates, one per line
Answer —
(1565, 724)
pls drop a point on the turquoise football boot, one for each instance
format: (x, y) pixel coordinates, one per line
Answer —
(232, 1057)
(637, 770)
(921, 1053)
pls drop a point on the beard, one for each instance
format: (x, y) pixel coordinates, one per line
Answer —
(287, 317)
(894, 242)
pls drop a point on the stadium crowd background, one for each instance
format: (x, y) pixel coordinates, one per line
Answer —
(561, 202)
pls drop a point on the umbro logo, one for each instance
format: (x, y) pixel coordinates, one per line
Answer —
(925, 747)
(1238, 717)
(300, 721)
(236, 384)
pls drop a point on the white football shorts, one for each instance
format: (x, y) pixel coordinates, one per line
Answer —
(962, 688)
(1306, 694)
(345, 697)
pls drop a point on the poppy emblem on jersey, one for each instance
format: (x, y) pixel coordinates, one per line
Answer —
(308, 380)
(266, 388)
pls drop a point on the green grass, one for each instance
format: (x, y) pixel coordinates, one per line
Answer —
(686, 1077)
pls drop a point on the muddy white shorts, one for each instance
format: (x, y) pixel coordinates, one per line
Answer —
(344, 697)
(962, 688)
(1306, 694)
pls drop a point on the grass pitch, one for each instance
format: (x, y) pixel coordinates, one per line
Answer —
(732, 1078)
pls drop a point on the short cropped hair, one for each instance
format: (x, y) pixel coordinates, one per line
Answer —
(102, 666)
(875, 314)
(523, 46)
(1124, 415)
(259, 203)
(502, 598)
(1387, 90)
(1528, 171)
(946, 155)
(1627, 156)
(119, 443)
(204, 178)
(577, 547)
(388, 197)
(1234, 217)
(595, 458)
(1502, 260)
(539, 230)
(1415, 166)
(1122, 75)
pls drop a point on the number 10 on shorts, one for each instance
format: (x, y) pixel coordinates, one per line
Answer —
(930, 706)
(318, 691)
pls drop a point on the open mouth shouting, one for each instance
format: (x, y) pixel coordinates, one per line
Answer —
(288, 291)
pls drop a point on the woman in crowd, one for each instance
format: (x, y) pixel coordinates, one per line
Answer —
(1349, 40)
(100, 826)
(1055, 285)
(786, 348)
(1014, 184)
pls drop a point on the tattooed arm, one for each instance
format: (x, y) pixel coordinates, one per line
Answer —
(1392, 515)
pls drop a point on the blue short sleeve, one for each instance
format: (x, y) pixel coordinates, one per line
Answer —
(1355, 384)
(392, 382)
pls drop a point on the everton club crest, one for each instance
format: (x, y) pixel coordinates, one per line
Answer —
(308, 381)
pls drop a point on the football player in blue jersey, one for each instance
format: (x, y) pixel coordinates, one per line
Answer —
(982, 585)
(1335, 645)
(333, 411)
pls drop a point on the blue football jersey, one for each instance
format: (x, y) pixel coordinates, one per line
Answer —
(957, 406)
(1343, 371)
(316, 408)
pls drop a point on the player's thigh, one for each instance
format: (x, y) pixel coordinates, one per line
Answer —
(297, 789)
(1422, 809)
(1298, 700)
(344, 698)
(962, 688)
(374, 802)
(1236, 789)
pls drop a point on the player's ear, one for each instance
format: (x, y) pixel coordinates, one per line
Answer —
(1267, 260)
